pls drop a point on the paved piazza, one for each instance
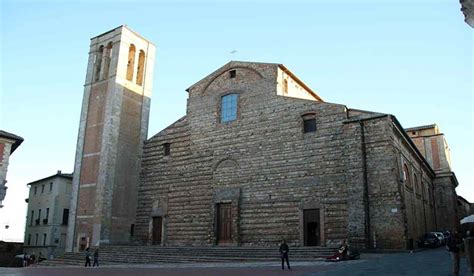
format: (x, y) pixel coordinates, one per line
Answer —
(430, 262)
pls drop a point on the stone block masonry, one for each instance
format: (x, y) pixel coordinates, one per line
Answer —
(261, 178)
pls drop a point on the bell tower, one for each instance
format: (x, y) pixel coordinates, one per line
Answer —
(112, 128)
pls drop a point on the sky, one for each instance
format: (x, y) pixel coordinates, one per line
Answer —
(412, 59)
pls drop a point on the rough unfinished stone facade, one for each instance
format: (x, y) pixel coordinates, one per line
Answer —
(113, 126)
(270, 173)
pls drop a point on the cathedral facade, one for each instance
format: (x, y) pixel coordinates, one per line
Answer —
(260, 157)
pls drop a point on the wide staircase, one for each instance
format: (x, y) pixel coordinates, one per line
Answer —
(119, 255)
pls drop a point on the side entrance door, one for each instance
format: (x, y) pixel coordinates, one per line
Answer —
(311, 227)
(156, 231)
(224, 224)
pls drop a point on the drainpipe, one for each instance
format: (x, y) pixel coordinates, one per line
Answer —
(367, 231)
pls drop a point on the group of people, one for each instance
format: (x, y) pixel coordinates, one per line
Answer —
(88, 257)
(342, 253)
(29, 259)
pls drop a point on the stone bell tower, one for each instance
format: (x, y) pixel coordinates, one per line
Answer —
(113, 126)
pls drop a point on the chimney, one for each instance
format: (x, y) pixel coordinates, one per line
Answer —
(59, 171)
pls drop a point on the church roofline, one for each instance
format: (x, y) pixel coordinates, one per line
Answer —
(223, 68)
(234, 63)
(421, 127)
(402, 132)
(411, 143)
(365, 111)
(163, 131)
(299, 81)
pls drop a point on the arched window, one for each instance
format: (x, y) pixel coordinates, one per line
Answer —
(131, 62)
(98, 63)
(229, 107)
(108, 57)
(309, 122)
(406, 176)
(141, 63)
(416, 184)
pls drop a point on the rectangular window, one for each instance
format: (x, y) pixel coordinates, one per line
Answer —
(36, 189)
(229, 108)
(132, 229)
(309, 125)
(29, 239)
(39, 217)
(51, 186)
(36, 239)
(32, 217)
(232, 73)
(44, 239)
(166, 148)
(45, 220)
(285, 86)
(65, 216)
(42, 188)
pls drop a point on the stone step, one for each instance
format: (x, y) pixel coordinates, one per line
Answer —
(163, 254)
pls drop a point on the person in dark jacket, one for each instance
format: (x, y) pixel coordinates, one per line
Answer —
(453, 244)
(96, 258)
(26, 258)
(284, 249)
(88, 257)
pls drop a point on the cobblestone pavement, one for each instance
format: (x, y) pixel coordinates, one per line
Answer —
(430, 262)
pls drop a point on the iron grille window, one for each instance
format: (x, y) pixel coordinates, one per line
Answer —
(166, 148)
(228, 108)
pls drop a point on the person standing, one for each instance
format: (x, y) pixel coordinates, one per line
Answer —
(32, 259)
(96, 257)
(284, 249)
(453, 246)
(88, 257)
(25, 260)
